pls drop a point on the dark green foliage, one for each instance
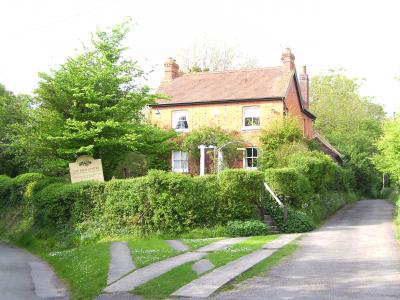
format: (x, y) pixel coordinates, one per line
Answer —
(246, 228)
(297, 220)
(126, 206)
(287, 131)
(5, 188)
(240, 193)
(63, 205)
(289, 184)
(317, 167)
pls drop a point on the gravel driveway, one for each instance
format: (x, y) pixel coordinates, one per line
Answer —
(353, 256)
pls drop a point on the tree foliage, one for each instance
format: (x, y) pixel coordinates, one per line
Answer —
(388, 158)
(351, 122)
(15, 116)
(213, 136)
(204, 57)
(283, 137)
(93, 104)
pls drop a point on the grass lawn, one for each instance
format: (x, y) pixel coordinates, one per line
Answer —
(148, 251)
(222, 257)
(166, 284)
(197, 243)
(169, 282)
(84, 269)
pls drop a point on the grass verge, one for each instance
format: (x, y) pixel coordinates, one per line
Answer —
(148, 251)
(265, 265)
(166, 284)
(224, 256)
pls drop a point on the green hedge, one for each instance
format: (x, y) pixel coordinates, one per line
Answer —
(289, 184)
(61, 204)
(159, 202)
(317, 167)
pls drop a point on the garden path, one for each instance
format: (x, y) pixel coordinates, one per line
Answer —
(354, 255)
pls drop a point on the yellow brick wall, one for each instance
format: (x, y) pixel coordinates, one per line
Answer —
(228, 116)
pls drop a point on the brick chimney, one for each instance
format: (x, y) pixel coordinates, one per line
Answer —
(303, 81)
(288, 59)
(171, 70)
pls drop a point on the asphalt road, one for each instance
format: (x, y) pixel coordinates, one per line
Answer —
(353, 256)
(24, 277)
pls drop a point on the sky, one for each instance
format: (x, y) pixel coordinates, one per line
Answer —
(360, 36)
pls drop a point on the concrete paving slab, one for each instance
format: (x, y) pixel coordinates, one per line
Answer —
(45, 282)
(206, 285)
(221, 244)
(121, 261)
(202, 266)
(152, 271)
(178, 245)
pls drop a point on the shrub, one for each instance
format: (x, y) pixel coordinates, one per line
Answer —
(60, 204)
(171, 197)
(20, 183)
(297, 220)
(289, 184)
(317, 167)
(126, 205)
(239, 194)
(5, 188)
(246, 228)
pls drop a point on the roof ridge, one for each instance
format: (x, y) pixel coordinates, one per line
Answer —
(229, 71)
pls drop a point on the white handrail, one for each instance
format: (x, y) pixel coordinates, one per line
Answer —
(273, 195)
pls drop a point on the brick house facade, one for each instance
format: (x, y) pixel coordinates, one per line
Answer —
(244, 101)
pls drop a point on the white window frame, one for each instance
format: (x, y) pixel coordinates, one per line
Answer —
(180, 169)
(244, 117)
(174, 120)
(245, 157)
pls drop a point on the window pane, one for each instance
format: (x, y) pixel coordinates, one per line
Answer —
(255, 152)
(179, 119)
(184, 155)
(177, 165)
(176, 155)
(249, 152)
(184, 164)
(248, 122)
(248, 162)
(256, 121)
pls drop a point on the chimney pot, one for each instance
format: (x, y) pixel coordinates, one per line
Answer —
(288, 59)
(171, 70)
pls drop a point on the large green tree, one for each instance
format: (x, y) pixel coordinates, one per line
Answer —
(94, 104)
(388, 158)
(351, 122)
(15, 117)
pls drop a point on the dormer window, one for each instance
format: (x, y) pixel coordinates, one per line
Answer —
(180, 120)
(251, 117)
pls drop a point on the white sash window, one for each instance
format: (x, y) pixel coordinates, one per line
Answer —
(251, 117)
(250, 159)
(180, 162)
(180, 120)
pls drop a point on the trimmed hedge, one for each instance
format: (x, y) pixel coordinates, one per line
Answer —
(159, 202)
(289, 184)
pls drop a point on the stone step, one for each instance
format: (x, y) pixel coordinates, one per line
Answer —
(268, 218)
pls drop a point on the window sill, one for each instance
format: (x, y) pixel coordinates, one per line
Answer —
(182, 130)
(180, 171)
(251, 128)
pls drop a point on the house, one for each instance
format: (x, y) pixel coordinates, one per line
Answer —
(244, 101)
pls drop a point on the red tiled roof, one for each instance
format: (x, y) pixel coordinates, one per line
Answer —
(227, 85)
